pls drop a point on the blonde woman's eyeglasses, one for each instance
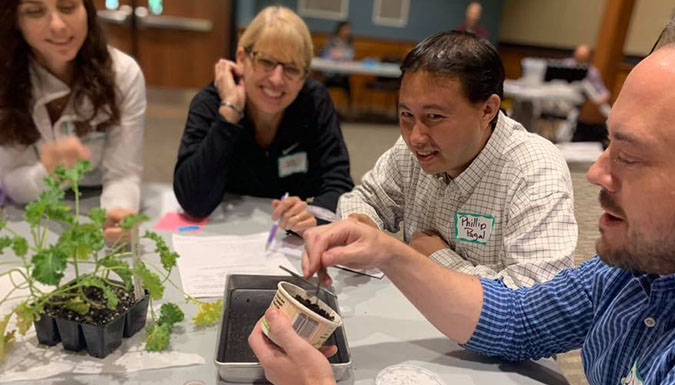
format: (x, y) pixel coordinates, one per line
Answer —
(265, 63)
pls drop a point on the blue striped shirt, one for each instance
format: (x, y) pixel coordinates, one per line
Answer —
(624, 322)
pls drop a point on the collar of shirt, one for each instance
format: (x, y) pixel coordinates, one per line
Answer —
(469, 178)
(46, 88)
(655, 283)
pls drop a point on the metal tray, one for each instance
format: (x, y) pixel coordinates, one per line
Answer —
(245, 301)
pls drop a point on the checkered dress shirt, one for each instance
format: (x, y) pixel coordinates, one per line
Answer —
(519, 184)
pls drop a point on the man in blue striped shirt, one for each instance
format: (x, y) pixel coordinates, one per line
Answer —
(618, 307)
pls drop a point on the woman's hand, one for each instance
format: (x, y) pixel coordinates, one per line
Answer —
(292, 214)
(230, 84)
(63, 152)
(113, 233)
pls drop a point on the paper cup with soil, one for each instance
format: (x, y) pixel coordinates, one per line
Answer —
(310, 317)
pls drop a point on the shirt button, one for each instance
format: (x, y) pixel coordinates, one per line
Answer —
(650, 322)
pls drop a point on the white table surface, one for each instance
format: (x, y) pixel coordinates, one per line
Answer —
(522, 90)
(382, 327)
(356, 67)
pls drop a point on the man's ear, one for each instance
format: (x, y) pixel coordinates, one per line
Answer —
(491, 109)
(240, 55)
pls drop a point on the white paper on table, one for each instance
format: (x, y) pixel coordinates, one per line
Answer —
(205, 261)
(28, 360)
(293, 246)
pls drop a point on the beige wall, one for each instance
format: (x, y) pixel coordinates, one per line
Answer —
(566, 23)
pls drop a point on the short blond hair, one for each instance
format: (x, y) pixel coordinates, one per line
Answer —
(281, 31)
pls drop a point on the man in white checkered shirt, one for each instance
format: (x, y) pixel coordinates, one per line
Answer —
(475, 191)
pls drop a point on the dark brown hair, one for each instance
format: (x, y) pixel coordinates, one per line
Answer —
(93, 79)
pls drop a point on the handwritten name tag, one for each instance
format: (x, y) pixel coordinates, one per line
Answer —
(473, 228)
(292, 164)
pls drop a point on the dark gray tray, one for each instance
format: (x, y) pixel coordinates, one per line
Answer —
(245, 301)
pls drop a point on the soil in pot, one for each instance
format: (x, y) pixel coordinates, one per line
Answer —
(99, 316)
(314, 307)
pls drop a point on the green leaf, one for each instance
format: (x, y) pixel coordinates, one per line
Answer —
(20, 246)
(78, 305)
(5, 338)
(151, 281)
(119, 267)
(82, 240)
(48, 265)
(209, 312)
(74, 174)
(5, 242)
(3, 222)
(170, 314)
(157, 337)
(26, 315)
(71, 176)
(33, 212)
(109, 293)
(131, 221)
(61, 213)
(111, 297)
(9, 339)
(97, 215)
(166, 256)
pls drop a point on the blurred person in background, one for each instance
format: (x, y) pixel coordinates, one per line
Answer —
(472, 19)
(339, 48)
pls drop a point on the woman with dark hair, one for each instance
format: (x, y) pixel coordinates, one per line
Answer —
(66, 96)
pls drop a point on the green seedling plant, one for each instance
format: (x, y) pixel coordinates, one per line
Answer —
(37, 278)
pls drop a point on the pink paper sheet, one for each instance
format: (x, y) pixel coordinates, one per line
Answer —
(180, 223)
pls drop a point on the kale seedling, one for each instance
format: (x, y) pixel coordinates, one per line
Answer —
(39, 267)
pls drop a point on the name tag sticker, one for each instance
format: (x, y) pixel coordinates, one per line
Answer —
(473, 228)
(292, 164)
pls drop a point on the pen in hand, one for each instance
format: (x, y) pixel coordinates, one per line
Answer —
(273, 230)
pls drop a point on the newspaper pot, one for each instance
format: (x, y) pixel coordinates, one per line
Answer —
(311, 318)
(98, 340)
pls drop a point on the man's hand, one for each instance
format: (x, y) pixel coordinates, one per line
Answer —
(347, 242)
(292, 214)
(113, 233)
(230, 84)
(427, 242)
(63, 152)
(295, 361)
(363, 219)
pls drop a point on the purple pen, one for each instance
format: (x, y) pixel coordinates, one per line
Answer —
(273, 230)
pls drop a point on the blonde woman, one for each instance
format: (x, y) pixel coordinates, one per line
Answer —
(263, 128)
